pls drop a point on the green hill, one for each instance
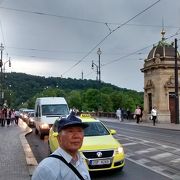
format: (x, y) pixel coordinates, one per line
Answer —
(21, 88)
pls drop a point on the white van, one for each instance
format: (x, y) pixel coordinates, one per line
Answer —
(47, 110)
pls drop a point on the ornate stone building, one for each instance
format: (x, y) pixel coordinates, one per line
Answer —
(159, 81)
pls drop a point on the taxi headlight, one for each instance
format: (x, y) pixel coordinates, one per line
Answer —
(45, 126)
(119, 150)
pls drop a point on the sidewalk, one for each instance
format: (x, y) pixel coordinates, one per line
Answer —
(16, 161)
(144, 123)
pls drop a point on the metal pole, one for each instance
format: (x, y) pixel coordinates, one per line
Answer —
(176, 85)
(1, 64)
(99, 65)
(99, 72)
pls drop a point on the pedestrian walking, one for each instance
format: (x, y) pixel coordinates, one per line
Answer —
(137, 114)
(128, 113)
(118, 113)
(122, 114)
(154, 115)
(1, 116)
(8, 116)
(4, 114)
(65, 163)
(12, 116)
(141, 115)
(17, 114)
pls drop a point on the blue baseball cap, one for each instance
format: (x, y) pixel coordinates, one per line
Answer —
(71, 121)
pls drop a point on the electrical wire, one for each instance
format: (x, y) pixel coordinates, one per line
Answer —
(137, 51)
(141, 12)
(51, 15)
(80, 19)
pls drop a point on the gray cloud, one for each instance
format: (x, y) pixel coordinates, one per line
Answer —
(67, 30)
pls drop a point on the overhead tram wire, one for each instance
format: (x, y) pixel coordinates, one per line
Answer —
(79, 19)
(51, 15)
(109, 35)
(135, 52)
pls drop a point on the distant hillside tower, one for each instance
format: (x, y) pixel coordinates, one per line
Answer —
(159, 81)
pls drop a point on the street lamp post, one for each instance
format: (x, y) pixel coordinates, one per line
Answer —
(99, 54)
(1, 65)
(176, 85)
(4, 65)
(97, 69)
(99, 72)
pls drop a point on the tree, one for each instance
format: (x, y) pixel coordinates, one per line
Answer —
(74, 100)
(91, 98)
(106, 103)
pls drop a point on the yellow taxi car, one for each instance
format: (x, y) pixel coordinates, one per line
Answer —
(100, 149)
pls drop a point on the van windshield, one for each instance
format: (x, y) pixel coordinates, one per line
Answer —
(55, 109)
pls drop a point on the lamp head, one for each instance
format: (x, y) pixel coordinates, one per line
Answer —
(92, 65)
(99, 52)
(9, 63)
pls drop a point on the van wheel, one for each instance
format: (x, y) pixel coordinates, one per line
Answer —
(36, 131)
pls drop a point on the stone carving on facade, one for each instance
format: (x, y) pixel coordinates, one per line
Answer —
(170, 83)
(157, 61)
(149, 85)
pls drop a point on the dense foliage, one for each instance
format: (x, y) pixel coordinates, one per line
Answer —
(21, 90)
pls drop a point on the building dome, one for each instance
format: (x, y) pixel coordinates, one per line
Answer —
(163, 49)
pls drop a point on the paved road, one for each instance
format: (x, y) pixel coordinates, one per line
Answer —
(153, 148)
(132, 171)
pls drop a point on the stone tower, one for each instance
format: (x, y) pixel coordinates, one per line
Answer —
(159, 81)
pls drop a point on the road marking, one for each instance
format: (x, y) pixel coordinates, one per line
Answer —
(150, 168)
(160, 156)
(158, 168)
(129, 144)
(143, 161)
(175, 160)
(146, 142)
(146, 151)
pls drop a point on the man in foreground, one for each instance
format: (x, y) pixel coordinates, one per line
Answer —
(70, 138)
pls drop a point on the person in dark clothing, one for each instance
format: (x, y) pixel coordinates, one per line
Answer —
(17, 117)
(4, 114)
(128, 114)
(141, 113)
(8, 116)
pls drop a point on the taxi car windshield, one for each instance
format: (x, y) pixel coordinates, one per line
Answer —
(95, 129)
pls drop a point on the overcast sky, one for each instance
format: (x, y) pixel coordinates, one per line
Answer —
(61, 37)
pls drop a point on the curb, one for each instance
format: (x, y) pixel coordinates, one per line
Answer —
(30, 159)
(147, 124)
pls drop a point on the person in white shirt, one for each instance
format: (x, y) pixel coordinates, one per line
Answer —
(118, 113)
(70, 138)
(154, 115)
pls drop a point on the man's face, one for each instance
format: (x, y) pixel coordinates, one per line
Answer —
(71, 139)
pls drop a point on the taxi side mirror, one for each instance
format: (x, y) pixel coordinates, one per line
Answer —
(112, 131)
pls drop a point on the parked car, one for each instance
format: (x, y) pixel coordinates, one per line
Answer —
(24, 113)
(30, 119)
(100, 150)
